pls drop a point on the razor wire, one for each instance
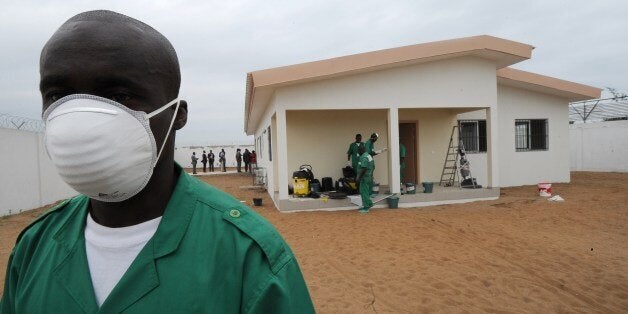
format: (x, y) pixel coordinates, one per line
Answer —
(596, 110)
(21, 123)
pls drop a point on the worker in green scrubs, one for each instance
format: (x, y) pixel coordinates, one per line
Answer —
(369, 145)
(202, 250)
(365, 178)
(352, 153)
(402, 160)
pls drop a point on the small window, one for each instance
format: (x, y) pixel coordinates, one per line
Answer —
(531, 135)
(473, 135)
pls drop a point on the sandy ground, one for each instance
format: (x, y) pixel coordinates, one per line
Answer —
(520, 253)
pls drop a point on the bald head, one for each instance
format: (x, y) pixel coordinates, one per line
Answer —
(114, 41)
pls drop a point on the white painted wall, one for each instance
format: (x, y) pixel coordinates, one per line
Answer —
(321, 139)
(601, 146)
(458, 82)
(28, 180)
(183, 155)
(529, 167)
(434, 132)
(263, 161)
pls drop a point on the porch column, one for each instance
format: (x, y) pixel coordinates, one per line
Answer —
(492, 159)
(393, 142)
(282, 153)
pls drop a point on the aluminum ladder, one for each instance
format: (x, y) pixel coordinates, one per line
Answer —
(450, 167)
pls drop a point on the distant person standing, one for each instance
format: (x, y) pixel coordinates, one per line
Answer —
(253, 161)
(222, 156)
(194, 160)
(246, 157)
(365, 177)
(204, 161)
(238, 157)
(211, 157)
(352, 153)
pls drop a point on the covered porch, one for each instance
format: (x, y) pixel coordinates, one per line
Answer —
(439, 196)
(320, 138)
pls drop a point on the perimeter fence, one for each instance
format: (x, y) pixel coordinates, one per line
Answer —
(21, 123)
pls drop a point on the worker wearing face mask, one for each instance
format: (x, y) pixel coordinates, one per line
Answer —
(143, 236)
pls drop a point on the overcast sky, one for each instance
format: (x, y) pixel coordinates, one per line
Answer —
(218, 42)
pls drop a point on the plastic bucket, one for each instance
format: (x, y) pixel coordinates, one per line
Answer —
(545, 189)
(410, 188)
(427, 187)
(375, 189)
(257, 201)
(393, 201)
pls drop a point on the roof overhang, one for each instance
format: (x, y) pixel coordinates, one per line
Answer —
(503, 52)
(547, 85)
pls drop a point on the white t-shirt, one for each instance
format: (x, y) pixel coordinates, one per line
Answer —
(110, 252)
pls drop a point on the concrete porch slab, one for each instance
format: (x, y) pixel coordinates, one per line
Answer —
(441, 195)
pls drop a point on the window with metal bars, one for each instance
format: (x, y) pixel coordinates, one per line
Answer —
(531, 134)
(473, 135)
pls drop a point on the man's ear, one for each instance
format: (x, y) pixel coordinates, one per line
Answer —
(182, 116)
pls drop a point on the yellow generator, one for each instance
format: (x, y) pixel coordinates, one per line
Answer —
(301, 187)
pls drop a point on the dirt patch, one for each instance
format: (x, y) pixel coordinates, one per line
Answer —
(519, 253)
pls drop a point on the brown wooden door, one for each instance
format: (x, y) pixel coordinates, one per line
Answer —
(408, 137)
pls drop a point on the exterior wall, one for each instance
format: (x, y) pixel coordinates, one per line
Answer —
(479, 161)
(321, 139)
(29, 180)
(529, 167)
(458, 82)
(263, 161)
(601, 146)
(434, 128)
(183, 155)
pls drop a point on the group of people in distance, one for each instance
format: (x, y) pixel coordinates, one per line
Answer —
(207, 159)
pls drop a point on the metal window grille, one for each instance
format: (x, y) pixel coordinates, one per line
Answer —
(531, 134)
(473, 135)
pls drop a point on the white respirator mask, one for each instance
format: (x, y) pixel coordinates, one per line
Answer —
(102, 148)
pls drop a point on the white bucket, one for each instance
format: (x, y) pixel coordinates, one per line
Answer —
(545, 189)
(375, 189)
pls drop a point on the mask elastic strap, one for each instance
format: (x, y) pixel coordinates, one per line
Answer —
(156, 112)
(160, 110)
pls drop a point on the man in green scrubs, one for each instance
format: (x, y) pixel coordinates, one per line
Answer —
(208, 254)
(369, 145)
(402, 160)
(352, 152)
(365, 177)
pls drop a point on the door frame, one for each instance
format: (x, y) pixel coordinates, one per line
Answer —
(417, 159)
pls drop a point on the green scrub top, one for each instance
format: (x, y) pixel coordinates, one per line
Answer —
(402, 151)
(355, 155)
(369, 146)
(210, 254)
(367, 161)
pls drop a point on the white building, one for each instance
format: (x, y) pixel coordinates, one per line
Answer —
(309, 113)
